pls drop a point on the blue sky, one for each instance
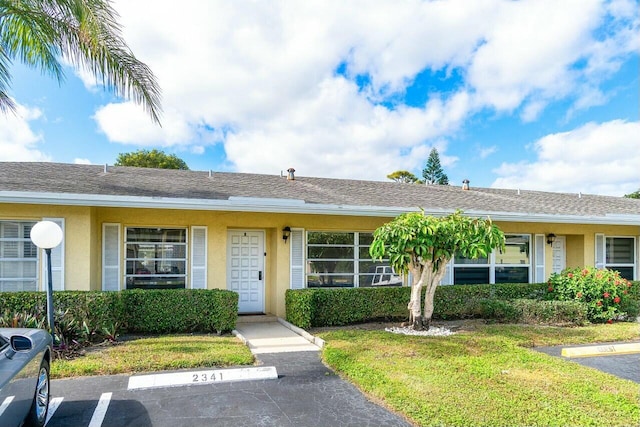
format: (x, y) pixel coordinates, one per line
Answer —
(532, 94)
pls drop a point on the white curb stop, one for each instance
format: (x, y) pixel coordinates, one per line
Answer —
(176, 379)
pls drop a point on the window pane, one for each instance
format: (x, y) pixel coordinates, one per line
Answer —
(156, 258)
(625, 272)
(329, 281)
(459, 259)
(330, 266)
(516, 251)
(620, 250)
(330, 252)
(320, 238)
(470, 275)
(18, 257)
(383, 275)
(512, 274)
(177, 235)
(366, 238)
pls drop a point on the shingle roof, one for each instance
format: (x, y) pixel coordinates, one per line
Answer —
(126, 182)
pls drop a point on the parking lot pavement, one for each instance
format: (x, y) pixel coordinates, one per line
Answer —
(306, 393)
(625, 366)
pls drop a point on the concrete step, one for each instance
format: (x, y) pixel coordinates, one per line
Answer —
(256, 318)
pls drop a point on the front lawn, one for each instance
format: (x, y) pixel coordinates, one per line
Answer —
(156, 354)
(487, 376)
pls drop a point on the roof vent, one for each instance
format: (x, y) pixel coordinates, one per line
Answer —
(106, 166)
(465, 184)
(291, 176)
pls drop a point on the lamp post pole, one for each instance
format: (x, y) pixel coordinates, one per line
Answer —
(50, 296)
(47, 235)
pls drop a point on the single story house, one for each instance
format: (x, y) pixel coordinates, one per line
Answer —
(260, 235)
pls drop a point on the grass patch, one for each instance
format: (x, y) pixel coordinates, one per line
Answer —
(488, 376)
(157, 354)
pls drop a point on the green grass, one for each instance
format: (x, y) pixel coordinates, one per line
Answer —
(156, 354)
(487, 377)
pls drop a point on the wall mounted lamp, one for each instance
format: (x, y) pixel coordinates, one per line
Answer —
(551, 238)
(286, 232)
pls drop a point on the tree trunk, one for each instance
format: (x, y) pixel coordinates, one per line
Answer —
(415, 309)
(432, 282)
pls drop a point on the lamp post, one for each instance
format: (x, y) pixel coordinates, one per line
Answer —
(47, 235)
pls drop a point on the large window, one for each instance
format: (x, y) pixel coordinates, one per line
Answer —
(620, 255)
(18, 257)
(513, 265)
(342, 260)
(156, 257)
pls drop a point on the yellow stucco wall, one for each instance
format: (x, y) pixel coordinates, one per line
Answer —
(83, 239)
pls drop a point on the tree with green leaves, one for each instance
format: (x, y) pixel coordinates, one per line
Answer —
(151, 159)
(432, 172)
(423, 246)
(634, 195)
(85, 33)
(403, 176)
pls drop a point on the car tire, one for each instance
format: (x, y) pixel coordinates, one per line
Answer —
(40, 405)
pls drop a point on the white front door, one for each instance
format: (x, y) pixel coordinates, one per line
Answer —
(559, 254)
(245, 269)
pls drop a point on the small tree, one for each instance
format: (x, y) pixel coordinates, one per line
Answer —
(403, 176)
(432, 172)
(151, 159)
(634, 195)
(423, 245)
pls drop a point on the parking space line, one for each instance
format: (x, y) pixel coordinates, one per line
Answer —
(101, 410)
(5, 403)
(53, 407)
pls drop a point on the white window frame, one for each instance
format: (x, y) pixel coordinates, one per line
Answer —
(186, 258)
(612, 266)
(492, 265)
(36, 260)
(356, 255)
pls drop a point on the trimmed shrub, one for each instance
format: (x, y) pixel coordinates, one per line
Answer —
(603, 291)
(334, 307)
(180, 310)
(95, 315)
(551, 312)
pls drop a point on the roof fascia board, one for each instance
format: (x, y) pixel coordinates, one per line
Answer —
(289, 206)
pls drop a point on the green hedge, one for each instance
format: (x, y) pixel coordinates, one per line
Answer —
(334, 307)
(180, 310)
(145, 311)
(551, 312)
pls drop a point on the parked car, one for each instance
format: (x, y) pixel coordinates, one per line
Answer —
(25, 357)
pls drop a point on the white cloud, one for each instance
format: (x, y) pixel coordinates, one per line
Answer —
(79, 161)
(18, 142)
(597, 158)
(261, 79)
(487, 151)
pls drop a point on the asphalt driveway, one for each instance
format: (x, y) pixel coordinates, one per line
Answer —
(306, 393)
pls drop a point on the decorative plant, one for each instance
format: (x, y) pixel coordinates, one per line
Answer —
(603, 291)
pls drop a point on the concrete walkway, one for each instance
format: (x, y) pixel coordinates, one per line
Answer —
(274, 336)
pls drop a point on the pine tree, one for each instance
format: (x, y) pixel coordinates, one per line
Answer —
(432, 172)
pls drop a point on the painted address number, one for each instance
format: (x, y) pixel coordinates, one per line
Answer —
(204, 377)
